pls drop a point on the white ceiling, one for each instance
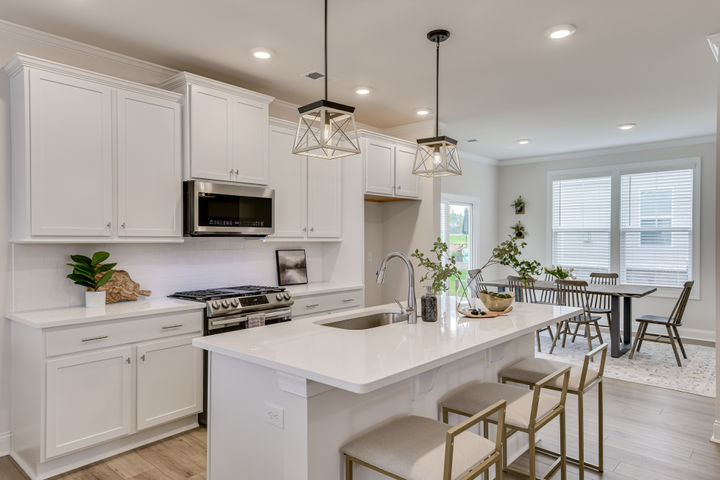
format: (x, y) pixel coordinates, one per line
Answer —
(641, 61)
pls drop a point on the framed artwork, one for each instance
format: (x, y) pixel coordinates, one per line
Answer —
(291, 267)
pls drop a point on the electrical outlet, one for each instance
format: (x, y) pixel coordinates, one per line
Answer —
(274, 415)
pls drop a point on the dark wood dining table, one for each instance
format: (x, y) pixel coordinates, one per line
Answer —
(618, 346)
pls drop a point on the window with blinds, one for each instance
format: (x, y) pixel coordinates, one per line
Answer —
(456, 229)
(656, 227)
(581, 224)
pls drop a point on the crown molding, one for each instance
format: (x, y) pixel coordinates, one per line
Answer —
(636, 147)
(182, 79)
(82, 48)
(714, 42)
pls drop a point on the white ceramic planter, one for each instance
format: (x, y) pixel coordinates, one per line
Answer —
(95, 299)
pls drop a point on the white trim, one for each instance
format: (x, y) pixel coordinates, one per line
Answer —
(615, 171)
(5, 443)
(475, 203)
(636, 147)
(82, 48)
(716, 432)
(714, 42)
(182, 79)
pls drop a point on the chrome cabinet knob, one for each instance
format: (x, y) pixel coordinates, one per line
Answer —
(123, 225)
(109, 224)
(312, 229)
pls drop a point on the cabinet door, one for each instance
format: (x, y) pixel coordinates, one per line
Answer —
(149, 166)
(250, 142)
(324, 204)
(71, 156)
(169, 381)
(288, 176)
(406, 184)
(210, 137)
(89, 399)
(379, 167)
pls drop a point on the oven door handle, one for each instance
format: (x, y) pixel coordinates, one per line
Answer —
(271, 315)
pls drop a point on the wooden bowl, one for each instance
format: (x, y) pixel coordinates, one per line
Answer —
(495, 304)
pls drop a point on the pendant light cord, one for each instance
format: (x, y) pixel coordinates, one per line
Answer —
(326, 52)
(437, 85)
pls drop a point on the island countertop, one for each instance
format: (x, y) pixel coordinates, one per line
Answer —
(361, 361)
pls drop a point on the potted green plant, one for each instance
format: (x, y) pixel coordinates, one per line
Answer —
(519, 205)
(560, 272)
(439, 270)
(92, 274)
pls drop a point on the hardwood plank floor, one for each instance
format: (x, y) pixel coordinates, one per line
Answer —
(650, 434)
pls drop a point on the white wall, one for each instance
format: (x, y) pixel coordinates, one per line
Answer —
(198, 263)
(531, 181)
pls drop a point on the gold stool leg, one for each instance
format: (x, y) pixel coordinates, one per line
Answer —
(486, 429)
(563, 461)
(498, 470)
(348, 468)
(581, 438)
(444, 415)
(600, 426)
(531, 454)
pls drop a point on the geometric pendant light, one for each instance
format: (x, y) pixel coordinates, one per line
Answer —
(326, 129)
(437, 156)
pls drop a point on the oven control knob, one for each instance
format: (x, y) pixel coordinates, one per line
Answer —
(279, 297)
(216, 304)
(234, 302)
(286, 295)
(225, 304)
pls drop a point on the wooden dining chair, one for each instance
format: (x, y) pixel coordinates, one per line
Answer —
(476, 282)
(573, 293)
(526, 288)
(600, 304)
(670, 323)
(549, 295)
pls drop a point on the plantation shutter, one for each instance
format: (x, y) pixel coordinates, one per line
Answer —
(581, 224)
(656, 221)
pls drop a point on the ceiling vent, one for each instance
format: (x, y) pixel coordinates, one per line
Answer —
(472, 140)
(313, 75)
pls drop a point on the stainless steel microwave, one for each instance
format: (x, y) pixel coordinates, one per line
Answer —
(223, 210)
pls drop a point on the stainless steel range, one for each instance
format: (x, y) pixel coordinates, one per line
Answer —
(231, 308)
(235, 308)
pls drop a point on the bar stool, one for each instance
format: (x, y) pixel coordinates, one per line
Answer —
(527, 411)
(528, 372)
(419, 448)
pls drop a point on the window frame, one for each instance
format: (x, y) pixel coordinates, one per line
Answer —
(615, 171)
(475, 220)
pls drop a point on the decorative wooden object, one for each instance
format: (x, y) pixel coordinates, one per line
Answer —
(485, 313)
(121, 288)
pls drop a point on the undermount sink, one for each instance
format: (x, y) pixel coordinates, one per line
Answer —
(369, 321)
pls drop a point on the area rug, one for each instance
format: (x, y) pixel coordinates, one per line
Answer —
(653, 365)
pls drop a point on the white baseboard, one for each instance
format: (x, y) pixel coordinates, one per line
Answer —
(685, 333)
(5, 443)
(716, 432)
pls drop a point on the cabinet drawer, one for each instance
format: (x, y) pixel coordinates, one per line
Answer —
(118, 332)
(327, 302)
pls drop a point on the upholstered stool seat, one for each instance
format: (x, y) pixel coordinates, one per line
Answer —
(527, 411)
(476, 396)
(581, 379)
(419, 448)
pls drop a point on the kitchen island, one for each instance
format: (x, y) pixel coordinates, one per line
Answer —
(284, 398)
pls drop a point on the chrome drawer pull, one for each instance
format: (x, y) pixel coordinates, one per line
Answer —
(168, 327)
(348, 300)
(92, 339)
(312, 305)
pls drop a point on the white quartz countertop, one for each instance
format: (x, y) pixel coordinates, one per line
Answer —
(321, 288)
(361, 361)
(61, 317)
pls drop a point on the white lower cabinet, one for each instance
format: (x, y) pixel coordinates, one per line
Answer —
(89, 399)
(169, 381)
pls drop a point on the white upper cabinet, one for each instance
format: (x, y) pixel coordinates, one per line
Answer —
(93, 157)
(71, 149)
(211, 136)
(324, 182)
(379, 166)
(288, 174)
(149, 166)
(308, 191)
(388, 167)
(406, 184)
(226, 130)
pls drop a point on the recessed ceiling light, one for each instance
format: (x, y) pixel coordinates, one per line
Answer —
(423, 111)
(560, 31)
(524, 141)
(626, 126)
(262, 53)
(363, 90)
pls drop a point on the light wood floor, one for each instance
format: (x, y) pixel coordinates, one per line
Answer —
(650, 434)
